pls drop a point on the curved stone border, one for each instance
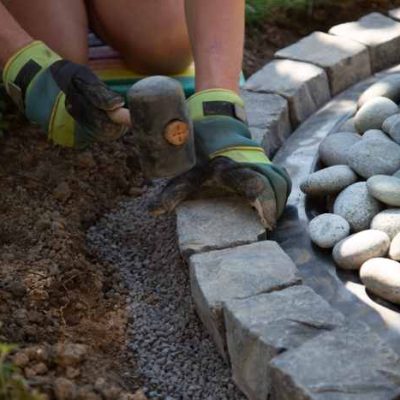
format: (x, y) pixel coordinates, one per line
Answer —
(281, 337)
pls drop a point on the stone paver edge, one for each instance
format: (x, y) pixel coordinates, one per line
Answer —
(275, 128)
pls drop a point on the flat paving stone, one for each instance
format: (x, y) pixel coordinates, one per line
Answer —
(261, 327)
(238, 273)
(345, 61)
(211, 224)
(379, 33)
(350, 362)
(268, 117)
(304, 85)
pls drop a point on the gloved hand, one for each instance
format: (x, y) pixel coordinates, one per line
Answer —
(229, 157)
(66, 99)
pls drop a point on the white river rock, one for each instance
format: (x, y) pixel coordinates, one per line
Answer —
(382, 277)
(371, 157)
(373, 112)
(385, 189)
(387, 221)
(333, 150)
(357, 206)
(328, 229)
(329, 180)
(353, 251)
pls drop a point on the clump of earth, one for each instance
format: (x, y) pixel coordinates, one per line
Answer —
(360, 181)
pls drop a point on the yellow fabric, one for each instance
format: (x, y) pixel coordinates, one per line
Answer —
(195, 102)
(61, 125)
(242, 154)
(36, 51)
(106, 72)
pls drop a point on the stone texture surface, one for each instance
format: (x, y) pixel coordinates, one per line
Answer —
(268, 116)
(329, 180)
(388, 86)
(394, 252)
(387, 221)
(371, 157)
(391, 126)
(382, 277)
(261, 327)
(237, 273)
(305, 86)
(385, 189)
(376, 134)
(328, 229)
(380, 33)
(395, 14)
(373, 113)
(345, 61)
(334, 149)
(210, 224)
(353, 251)
(350, 362)
(357, 206)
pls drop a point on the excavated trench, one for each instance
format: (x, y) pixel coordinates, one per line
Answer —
(176, 358)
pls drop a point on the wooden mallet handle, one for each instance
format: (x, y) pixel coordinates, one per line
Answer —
(175, 133)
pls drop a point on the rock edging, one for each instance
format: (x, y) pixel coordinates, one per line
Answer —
(275, 332)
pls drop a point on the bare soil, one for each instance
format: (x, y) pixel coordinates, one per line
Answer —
(62, 306)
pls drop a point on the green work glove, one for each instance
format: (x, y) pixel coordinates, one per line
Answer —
(229, 157)
(66, 99)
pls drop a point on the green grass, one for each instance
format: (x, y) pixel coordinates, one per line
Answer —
(12, 385)
(258, 9)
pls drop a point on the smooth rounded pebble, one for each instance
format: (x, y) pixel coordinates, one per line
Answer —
(385, 189)
(329, 180)
(353, 251)
(357, 206)
(372, 113)
(387, 221)
(394, 251)
(333, 150)
(391, 126)
(376, 134)
(328, 229)
(382, 277)
(374, 157)
(387, 87)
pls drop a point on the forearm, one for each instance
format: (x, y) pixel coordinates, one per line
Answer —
(216, 30)
(12, 36)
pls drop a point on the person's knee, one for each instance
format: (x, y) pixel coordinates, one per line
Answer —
(159, 58)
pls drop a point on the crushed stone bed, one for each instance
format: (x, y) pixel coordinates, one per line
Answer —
(175, 356)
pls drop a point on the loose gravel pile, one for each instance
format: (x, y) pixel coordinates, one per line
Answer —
(175, 356)
(361, 180)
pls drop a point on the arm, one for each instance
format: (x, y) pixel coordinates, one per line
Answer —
(12, 36)
(216, 30)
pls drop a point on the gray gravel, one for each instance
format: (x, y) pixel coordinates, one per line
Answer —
(175, 356)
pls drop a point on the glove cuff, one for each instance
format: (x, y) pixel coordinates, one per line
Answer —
(243, 154)
(216, 102)
(23, 66)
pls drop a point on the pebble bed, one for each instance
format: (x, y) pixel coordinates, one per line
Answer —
(361, 183)
(175, 356)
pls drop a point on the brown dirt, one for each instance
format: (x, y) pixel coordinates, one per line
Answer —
(283, 28)
(52, 291)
